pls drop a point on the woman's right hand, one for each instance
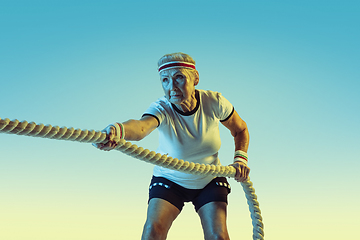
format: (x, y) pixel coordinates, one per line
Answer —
(112, 141)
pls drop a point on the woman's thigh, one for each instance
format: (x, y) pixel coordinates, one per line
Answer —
(213, 220)
(160, 216)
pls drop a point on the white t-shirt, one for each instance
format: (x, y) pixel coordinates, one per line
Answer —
(193, 136)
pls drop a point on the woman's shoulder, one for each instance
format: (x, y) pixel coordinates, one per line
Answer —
(161, 104)
(162, 100)
(209, 94)
(214, 102)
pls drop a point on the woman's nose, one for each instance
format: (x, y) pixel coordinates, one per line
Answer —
(172, 84)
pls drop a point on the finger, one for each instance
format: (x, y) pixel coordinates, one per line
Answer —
(246, 174)
(104, 146)
(112, 133)
(242, 176)
(238, 173)
(247, 171)
(242, 179)
(113, 144)
(110, 145)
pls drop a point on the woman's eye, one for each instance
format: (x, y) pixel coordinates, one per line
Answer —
(164, 79)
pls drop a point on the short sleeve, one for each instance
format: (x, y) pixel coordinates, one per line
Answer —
(157, 110)
(225, 110)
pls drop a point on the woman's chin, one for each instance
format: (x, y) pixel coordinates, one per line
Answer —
(175, 100)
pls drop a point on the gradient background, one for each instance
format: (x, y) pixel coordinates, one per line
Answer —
(290, 68)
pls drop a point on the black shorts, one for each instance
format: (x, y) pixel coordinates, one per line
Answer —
(216, 191)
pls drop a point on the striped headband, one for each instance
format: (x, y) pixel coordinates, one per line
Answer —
(176, 64)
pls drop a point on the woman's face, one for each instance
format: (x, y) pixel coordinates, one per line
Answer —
(179, 85)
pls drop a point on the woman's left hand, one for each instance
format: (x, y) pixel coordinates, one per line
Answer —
(242, 171)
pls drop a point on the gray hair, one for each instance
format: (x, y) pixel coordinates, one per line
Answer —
(179, 56)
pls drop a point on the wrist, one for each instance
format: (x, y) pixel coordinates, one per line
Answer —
(241, 156)
(119, 130)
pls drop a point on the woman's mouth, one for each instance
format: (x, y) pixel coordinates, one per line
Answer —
(175, 95)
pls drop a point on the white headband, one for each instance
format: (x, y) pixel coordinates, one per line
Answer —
(176, 64)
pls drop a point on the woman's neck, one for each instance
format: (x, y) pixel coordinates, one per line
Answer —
(189, 105)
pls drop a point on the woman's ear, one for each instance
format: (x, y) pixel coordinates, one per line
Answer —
(196, 81)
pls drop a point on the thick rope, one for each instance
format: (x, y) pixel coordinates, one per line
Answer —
(90, 136)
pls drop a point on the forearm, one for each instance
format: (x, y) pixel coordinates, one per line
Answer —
(242, 140)
(136, 130)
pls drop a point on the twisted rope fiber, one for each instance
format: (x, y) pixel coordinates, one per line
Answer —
(91, 136)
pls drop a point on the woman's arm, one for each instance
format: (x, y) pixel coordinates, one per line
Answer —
(239, 131)
(135, 130)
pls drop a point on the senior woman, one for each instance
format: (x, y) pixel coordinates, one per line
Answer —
(188, 123)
